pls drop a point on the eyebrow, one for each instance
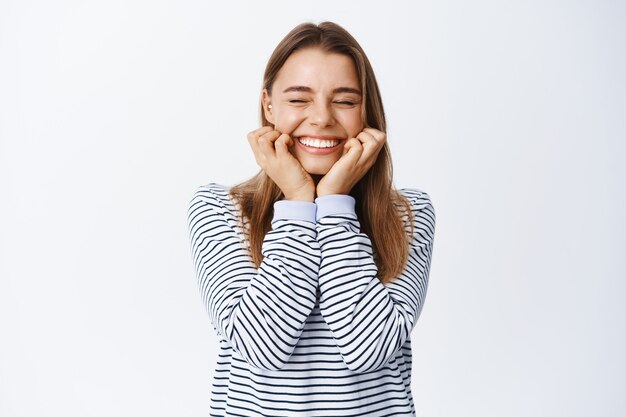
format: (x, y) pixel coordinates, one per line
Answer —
(302, 88)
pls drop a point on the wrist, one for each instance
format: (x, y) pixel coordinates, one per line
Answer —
(304, 196)
(322, 193)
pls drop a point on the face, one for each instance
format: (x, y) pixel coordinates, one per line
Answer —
(316, 99)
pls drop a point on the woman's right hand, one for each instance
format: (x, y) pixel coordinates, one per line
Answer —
(271, 152)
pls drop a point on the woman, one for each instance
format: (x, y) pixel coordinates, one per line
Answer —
(314, 271)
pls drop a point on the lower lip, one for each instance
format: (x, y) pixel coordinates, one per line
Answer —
(318, 151)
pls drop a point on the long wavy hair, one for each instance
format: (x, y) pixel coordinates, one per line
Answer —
(379, 206)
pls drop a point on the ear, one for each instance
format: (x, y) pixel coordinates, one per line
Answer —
(266, 101)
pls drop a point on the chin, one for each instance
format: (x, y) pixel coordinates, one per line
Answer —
(317, 169)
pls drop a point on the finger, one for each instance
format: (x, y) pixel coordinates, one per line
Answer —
(262, 130)
(271, 135)
(375, 140)
(373, 137)
(253, 140)
(379, 135)
(253, 137)
(353, 150)
(346, 147)
(366, 137)
(371, 146)
(266, 143)
(282, 145)
(351, 143)
(368, 140)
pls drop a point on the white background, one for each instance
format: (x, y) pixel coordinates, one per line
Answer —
(510, 114)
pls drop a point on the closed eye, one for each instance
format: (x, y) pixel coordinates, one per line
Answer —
(347, 103)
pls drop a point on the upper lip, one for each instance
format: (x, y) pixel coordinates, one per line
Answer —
(323, 137)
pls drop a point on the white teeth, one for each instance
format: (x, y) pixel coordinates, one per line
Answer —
(319, 143)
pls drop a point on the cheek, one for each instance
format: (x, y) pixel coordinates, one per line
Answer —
(288, 120)
(352, 123)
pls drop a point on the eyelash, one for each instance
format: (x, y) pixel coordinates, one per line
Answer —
(349, 103)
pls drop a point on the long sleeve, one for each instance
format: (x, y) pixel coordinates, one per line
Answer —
(259, 312)
(370, 321)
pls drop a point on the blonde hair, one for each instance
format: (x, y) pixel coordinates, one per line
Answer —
(379, 207)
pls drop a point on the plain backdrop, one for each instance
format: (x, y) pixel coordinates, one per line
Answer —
(510, 114)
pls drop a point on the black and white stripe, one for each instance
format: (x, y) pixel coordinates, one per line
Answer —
(312, 332)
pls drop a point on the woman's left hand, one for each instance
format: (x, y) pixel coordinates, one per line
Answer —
(359, 154)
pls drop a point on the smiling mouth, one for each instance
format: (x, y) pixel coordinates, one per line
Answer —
(318, 143)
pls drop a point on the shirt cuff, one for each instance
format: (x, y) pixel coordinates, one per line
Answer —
(334, 204)
(294, 210)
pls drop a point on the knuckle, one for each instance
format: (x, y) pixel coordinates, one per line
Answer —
(267, 135)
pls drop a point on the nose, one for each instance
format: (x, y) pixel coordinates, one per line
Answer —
(321, 115)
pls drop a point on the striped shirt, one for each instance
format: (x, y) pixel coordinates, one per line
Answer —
(312, 331)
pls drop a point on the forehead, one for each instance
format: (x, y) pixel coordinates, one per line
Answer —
(318, 70)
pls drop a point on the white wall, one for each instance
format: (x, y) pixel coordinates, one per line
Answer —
(509, 114)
